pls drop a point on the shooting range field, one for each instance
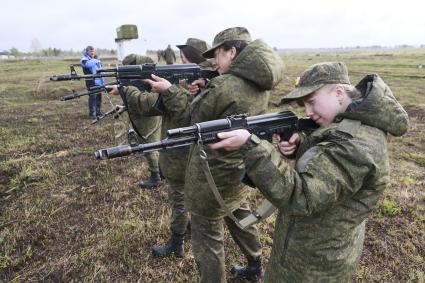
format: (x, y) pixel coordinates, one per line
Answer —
(65, 216)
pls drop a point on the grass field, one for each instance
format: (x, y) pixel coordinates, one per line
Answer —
(65, 216)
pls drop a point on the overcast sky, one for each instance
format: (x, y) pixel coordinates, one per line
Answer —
(281, 23)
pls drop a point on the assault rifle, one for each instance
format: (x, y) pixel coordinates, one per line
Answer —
(172, 73)
(264, 126)
(75, 94)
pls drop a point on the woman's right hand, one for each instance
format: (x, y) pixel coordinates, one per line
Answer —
(195, 86)
(289, 147)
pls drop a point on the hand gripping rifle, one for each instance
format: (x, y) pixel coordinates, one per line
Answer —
(264, 126)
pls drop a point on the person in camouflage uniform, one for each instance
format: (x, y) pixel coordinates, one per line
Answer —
(341, 171)
(173, 161)
(148, 129)
(169, 55)
(248, 70)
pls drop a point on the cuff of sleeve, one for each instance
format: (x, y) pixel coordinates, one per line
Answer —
(172, 90)
(252, 142)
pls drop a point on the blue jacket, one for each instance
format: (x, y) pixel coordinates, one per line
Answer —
(91, 65)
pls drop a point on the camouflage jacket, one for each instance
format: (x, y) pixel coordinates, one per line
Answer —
(242, 89)
(173, 161)
(341, 171)
(148, 128)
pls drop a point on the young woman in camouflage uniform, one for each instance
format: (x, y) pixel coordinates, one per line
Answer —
(173, 161)
(148, 129)
(248, 70)
(342, 169)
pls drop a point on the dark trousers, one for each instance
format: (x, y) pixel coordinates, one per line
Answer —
(94, 104)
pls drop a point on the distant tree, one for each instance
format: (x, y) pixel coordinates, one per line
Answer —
(404, 46)
(14, 51)
(56, 52)
(47, 52)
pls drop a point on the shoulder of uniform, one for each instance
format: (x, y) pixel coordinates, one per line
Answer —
(349, 126)
(225, 79)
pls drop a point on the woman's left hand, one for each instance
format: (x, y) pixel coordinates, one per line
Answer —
(232, 140)
(158, 84)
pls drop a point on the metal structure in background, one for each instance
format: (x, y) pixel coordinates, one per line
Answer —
(125, 33)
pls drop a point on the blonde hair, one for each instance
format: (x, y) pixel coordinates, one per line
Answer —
(351, 91)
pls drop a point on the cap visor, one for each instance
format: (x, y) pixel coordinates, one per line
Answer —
(210, 52)
(300, 92)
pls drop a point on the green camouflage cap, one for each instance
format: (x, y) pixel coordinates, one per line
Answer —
(317, 76)
(195, 43)
(236, 33)
(193, 49)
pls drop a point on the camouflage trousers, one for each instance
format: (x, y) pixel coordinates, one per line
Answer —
(208, 246)
(152, 159)
(179, 215)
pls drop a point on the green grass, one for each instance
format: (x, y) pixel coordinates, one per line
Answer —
(67, 217)
(389, 208)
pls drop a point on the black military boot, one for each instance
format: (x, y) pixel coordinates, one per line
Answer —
(253, 272)
(173, 246)
(152, 182)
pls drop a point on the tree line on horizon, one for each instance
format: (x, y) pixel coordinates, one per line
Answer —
(55, 52)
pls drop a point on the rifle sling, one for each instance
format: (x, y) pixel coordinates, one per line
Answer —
(213, 187)
(265, 210)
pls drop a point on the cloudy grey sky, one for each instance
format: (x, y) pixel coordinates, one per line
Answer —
(283, 24)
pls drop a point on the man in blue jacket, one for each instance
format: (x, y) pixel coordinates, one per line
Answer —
(90, 65)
